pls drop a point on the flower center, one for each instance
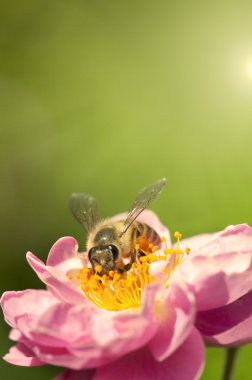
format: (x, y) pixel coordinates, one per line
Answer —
(117, 291)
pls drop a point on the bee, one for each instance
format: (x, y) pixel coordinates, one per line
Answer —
(116, 245)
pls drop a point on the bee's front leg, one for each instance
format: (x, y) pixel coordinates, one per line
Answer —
(133, 259)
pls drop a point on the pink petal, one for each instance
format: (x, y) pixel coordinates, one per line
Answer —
(134, 328)
(177, 318)
(25, 303)
(217, 280)
(56, 280)
(84, 336)
(64, 325)
(228, 325)
(196, 242)
(117, 333)
(186, 363)
(64, 255)
(21, 355)
(15, 335)
(233, 239)
(220, 265)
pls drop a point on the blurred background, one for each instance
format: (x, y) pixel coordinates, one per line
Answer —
(105, 97)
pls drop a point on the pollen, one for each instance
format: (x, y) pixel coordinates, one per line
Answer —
(120, 290)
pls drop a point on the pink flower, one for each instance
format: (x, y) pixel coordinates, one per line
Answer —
(119, 330)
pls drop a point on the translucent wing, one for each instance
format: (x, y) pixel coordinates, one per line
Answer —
(142, 201)
(85, 209)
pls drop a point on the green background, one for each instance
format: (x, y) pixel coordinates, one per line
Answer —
(105, 97)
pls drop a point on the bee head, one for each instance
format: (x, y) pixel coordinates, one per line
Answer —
(105, 256)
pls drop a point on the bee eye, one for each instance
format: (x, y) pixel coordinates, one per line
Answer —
(115, 251)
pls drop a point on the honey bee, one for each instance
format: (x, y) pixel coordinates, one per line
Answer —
(116, 245)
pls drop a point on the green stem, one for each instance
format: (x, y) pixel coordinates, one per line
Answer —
(231, 355)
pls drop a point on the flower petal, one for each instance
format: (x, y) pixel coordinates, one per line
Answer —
(80, 336)
(233, 239)
(24, 303)
(62, 325)
(221, 266)
(56, 280)
(133, 328)
(15, 335)
(186, 363)
(21, 355)
(177, 311)
(64, 255)
(217, 280)
(119, 333)
(228, 325)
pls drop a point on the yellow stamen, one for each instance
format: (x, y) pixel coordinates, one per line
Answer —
(177, 235)
(187, 250)
(123, 290)
(98, 268)
(111, 273)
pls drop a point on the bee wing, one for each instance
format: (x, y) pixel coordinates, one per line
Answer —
(85, 209)
(142, 201)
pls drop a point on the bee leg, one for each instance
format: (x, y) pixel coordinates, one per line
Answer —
(125, 268)
(133, 256)
(140, 253)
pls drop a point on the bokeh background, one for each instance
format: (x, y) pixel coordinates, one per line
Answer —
(107, 96)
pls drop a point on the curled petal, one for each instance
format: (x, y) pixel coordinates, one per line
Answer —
(228, 325)
(56, 280)
(21, 355)
(64, 255)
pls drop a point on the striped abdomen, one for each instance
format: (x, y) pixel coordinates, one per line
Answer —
(145, 231)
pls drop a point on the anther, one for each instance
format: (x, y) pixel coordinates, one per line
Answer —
(98, 268)
(111, 273)
(188, 250)
(177, 235)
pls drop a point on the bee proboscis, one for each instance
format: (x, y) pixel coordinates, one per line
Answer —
(112, 244)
